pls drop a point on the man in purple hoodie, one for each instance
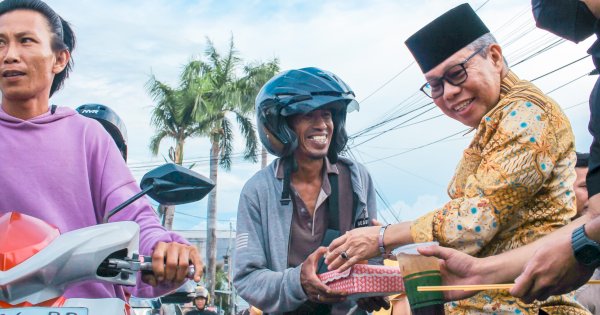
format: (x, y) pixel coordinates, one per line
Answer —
(61, 167)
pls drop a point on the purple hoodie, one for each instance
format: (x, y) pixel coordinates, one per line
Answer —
(65, 169)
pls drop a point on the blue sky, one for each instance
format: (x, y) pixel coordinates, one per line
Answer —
(121, 43)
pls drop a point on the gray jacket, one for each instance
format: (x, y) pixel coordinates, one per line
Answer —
(261, 276)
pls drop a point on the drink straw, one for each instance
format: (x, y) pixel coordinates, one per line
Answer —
(476, 287)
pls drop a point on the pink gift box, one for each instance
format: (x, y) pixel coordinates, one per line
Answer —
(365, 281)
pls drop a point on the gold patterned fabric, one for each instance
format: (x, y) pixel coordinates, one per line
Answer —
(512, 186)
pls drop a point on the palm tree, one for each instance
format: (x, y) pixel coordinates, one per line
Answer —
(257, 75)
(174, 116)
(223, 97)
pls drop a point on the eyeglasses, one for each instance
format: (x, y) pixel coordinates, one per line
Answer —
(456, 76)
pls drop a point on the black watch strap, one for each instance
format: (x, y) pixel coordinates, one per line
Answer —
(586, 250)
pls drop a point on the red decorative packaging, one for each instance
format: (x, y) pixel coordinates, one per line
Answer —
(365, 281)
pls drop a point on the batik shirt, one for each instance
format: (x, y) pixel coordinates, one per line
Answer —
(512, 186)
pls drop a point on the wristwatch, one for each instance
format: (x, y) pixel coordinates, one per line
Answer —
(586, 250)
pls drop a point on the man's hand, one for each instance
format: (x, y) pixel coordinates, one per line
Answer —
(373, 303)
(457, 268)
(552, 270)
(355, 246)
(170, 262)
(312, 285)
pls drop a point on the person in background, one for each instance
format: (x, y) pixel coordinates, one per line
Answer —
(201, 299)
(112, 123)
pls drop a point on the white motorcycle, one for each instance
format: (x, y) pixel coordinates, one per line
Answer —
(37, 264)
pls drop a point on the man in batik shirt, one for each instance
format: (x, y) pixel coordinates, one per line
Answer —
(514, 183)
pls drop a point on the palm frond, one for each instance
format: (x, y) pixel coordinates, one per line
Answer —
(156, 140)
(226, 144)
(249, 134)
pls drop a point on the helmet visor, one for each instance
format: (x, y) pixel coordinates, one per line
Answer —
(302, 104)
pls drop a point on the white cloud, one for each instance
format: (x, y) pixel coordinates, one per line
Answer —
(122, 42)
(422, 205)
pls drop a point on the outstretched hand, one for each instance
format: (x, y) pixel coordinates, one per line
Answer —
(312, 285)
(170, 262)
(457, 268)
(553, 270)
(353, 247)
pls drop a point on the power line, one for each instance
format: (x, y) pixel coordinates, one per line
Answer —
(379, 194)
(199, 217)
(398, 108)
(562, 86)
(239, 156)
(511, 21)
(531, 46)
(540, 51)
(396, 126)
(418, 147)
(578, 104)
(387, 82)
(404, 69)
(385, 121)
(481, 6)
(408, 172)
(365, 131)
(559, 68)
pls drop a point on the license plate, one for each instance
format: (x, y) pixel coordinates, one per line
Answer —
(45, 311)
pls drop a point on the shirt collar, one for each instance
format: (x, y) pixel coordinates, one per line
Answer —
(329, 169)
(510, 80)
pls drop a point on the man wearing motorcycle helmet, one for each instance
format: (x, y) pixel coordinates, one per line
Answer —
(201, 299)
(67, 161)
(110, 121)
(309, 195)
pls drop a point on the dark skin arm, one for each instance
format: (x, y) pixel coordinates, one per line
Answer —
(545, 267)
(553, 268)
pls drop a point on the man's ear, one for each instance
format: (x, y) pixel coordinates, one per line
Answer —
(496, 56)
(62, 59)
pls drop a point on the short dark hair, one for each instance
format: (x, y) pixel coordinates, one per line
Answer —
(582, 159)
(63, 37)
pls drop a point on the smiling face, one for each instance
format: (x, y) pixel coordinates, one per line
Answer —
(314, 131)
(472, 99)
(28, 62)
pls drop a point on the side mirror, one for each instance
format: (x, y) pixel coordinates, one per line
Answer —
(172, 184)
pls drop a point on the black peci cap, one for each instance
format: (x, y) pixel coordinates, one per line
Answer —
(444, 36)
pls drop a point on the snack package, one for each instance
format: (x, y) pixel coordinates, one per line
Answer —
(365, 281)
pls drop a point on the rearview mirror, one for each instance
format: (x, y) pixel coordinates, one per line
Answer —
(173, 184)
(170, 184)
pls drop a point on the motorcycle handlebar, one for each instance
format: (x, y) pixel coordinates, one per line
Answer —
(139, 263)
(146, 267)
